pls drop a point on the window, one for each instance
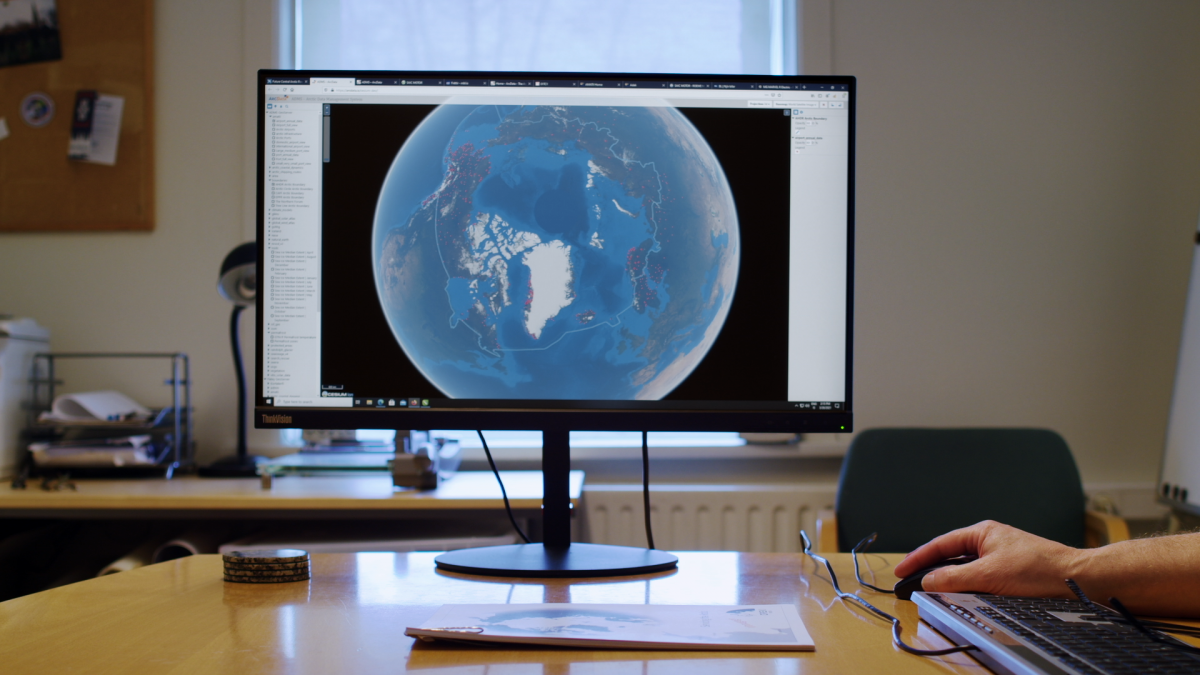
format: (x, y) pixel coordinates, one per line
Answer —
(684, 36)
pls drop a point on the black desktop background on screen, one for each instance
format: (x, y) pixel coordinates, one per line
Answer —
(748, 361)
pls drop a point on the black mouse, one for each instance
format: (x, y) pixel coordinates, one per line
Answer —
(912, 583)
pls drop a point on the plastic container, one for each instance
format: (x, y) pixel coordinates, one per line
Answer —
(20, 339)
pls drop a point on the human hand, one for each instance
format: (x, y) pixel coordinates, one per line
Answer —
(1011, 562)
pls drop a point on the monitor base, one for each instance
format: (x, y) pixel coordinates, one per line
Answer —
(536, 560)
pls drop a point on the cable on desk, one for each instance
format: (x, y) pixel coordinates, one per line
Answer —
(875, 610)
(1147, 628)
(503, 493)
(646, 489)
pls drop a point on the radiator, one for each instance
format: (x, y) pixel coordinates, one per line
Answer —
(757, 518)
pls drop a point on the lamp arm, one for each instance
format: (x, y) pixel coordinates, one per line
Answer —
(235, 343)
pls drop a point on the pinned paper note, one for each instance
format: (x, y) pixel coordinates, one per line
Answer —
(96, 127)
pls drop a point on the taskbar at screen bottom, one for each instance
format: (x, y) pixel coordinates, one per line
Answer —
(423, 403)
(578, 419)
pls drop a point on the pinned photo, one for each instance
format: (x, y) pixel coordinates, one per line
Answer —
(29, 32)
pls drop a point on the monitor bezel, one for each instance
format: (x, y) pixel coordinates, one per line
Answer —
(590, 418)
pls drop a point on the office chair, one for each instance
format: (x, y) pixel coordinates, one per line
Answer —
(911, 485)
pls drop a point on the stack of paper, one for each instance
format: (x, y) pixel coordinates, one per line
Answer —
(123, 451)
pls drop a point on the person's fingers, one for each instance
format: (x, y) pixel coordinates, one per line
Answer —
(928, 554)
(950, 545)
(952, 579)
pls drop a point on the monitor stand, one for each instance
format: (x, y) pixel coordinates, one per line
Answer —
(556, 556)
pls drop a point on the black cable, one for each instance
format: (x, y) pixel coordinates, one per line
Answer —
(1163, 626)
(1145, 627)
(876, 611)
(646, 488)
(1136, 623)
(504, 494)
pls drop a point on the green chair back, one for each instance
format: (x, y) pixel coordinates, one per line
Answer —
(910, 485)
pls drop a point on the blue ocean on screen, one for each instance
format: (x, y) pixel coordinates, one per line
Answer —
(556, 252)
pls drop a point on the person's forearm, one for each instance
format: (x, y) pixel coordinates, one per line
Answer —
(1157, 576)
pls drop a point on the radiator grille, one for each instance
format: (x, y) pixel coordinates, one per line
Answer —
(755, 518)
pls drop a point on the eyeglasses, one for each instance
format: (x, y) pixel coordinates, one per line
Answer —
(862, 545)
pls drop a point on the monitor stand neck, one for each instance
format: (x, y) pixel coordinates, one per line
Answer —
(556, 556)
(556, 488)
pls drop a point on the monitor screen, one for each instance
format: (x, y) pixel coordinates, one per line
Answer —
(511, 250)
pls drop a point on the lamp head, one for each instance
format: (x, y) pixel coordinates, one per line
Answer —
(239, 275)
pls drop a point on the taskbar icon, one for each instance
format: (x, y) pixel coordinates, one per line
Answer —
(391, 402)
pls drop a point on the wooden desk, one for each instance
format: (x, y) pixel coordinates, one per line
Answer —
(180, 617)
(292, 496)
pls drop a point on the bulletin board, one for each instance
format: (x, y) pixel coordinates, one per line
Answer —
(106, 47)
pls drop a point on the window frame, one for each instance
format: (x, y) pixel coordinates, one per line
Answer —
(271, 39)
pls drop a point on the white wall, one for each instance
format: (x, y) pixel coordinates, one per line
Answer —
(1029, 182)
(1029, 179)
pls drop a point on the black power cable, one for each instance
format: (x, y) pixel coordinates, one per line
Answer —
(646, 489)
(1147, 628)
(503, 493)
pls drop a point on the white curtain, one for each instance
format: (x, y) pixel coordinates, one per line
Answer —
(668, 36)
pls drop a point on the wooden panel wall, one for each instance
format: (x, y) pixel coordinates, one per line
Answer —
(107, 46)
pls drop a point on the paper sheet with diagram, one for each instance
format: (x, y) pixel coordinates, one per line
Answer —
(688, 627)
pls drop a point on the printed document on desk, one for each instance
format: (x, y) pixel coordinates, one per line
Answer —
(685, 627)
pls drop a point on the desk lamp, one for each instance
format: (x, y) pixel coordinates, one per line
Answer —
(238, 283)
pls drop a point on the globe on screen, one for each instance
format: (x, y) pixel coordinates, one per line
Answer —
(555, 252)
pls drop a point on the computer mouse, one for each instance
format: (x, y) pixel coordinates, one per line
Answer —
(912, 583)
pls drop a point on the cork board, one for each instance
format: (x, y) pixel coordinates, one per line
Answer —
(106, 46)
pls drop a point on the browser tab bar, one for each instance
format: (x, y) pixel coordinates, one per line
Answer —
(764, 84)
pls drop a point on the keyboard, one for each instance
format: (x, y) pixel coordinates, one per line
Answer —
(1043, 636)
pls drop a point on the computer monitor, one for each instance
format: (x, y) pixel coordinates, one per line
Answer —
(555, 251)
